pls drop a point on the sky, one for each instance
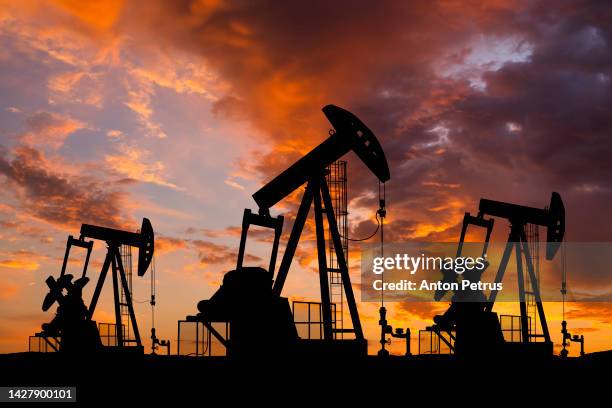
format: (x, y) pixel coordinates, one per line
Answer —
(178, 111)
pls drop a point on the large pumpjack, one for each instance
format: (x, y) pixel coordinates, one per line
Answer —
(260, 319)
(73, 327)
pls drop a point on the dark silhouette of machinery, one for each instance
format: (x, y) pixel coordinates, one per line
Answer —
(568, 338)
(157, 343)
(477, 328)
(70, 323)
(73, 323)
(386, 329)
(261, 322)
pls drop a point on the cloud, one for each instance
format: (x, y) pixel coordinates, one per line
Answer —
(76, 87)
(168, 244)
(134, 163)
(19, 264)
(234, 184)
(211, 253)
(49, 129)
(601, 312)
(64, 200)
(139, 98)
(114, 133)
(415, 74)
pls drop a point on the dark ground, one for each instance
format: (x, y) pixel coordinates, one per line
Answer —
(119, 380)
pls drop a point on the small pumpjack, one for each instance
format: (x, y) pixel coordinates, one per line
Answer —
(72, 326)
(260, 319)
(470, 316)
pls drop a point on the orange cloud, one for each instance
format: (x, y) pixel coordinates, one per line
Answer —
(133, 163)
(99, 16)
(19, 264)
(169, 244)
(45, 128)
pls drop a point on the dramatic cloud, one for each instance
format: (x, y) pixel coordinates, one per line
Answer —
(461, 95)
(61, 199)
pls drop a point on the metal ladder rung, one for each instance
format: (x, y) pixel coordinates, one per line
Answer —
(343, 330)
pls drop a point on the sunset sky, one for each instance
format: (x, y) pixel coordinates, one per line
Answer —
(178, 111)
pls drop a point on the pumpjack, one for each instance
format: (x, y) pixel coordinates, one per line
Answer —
(260, 319)
(470, 317)
(73, 326)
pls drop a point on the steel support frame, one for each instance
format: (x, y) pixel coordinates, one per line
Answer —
(517, 239)
(113, 261)
(317, 193)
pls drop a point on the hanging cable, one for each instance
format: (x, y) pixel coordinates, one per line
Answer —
(380, 215)
(384, 327)
(366, 238)
(564, 275)
(154, 340)
(152, 301)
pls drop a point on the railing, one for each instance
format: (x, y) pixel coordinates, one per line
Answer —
(308, 319)
(41, 343)
(194, 339)
(433, 340)
(108, 334)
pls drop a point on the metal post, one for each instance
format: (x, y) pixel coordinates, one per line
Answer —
(521, 288)
(342, 263)
(502, 269)
(536, 288)
(128, 296)
(118, 325)
(243, 236)
(294, 238)
(98, 290)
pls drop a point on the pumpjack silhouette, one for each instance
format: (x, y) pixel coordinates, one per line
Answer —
(250, 301)
(260, 319)
(477, 328)
(73, 327)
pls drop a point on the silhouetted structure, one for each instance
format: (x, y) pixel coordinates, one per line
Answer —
(337, 179)
(73, 323)
(250, 298)
(477, 328)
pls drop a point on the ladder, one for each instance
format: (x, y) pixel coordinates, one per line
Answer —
(533, 240)
(126, 258)
(337, 181)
